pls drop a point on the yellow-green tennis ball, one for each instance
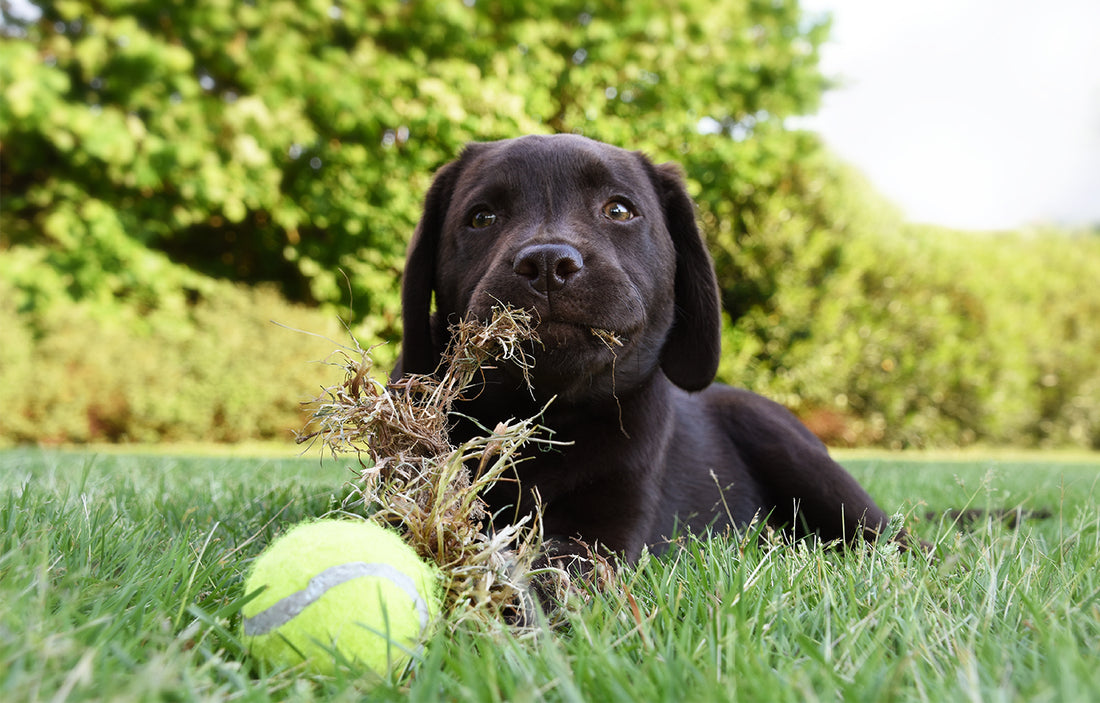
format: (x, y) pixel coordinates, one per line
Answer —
(339, 590)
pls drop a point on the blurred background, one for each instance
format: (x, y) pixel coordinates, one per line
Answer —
(199, 200)
(1004, 92)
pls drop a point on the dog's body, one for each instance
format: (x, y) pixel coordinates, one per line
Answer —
(591, 238)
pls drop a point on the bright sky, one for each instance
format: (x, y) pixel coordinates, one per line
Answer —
(976, 114)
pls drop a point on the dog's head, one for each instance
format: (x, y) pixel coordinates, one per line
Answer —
(585, 236)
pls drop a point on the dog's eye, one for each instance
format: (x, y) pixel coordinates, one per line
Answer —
(619, 212)
(482, 219)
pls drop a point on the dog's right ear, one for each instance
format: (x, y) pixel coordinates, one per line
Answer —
(419, 352)
(693, 349)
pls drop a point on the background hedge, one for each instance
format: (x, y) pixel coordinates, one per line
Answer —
(174, 175)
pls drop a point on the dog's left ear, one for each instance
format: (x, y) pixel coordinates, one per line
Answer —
(419, 352)
(691, 352)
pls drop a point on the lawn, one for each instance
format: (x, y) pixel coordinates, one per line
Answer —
(121, 579)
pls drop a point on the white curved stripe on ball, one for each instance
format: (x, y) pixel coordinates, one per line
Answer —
(285, 609)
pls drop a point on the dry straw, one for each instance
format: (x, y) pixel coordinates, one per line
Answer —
(412, 478)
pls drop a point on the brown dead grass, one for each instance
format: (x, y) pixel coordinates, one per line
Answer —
(412, 478)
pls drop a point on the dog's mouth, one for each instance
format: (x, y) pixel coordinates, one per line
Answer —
(578, 353)
(610, 339)
(567, 353)
(580, 336)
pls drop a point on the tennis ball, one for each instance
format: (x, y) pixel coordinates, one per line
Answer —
(339, 590)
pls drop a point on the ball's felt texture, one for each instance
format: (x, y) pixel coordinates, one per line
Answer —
(339, 590)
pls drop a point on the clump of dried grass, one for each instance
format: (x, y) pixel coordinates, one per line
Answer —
(413, 478)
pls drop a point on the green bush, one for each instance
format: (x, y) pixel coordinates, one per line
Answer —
(219, 370)
(882, 333)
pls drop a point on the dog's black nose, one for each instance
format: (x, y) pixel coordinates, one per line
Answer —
(547, 267)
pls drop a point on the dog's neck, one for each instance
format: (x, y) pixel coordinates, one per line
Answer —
(609, 450)
(612, 417)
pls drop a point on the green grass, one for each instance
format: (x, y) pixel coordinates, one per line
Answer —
(120, 579)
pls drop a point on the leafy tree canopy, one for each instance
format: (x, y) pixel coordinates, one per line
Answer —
(292, 141)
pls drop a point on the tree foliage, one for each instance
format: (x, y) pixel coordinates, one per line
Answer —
(150, 148)
(288, 141)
